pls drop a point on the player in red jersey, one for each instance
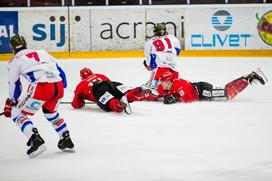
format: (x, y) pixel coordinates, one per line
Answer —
(108, 95)
(175, 89)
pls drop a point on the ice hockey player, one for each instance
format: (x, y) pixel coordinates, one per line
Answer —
(108, 95)
(46, 88)
(160, 53)
(175, 89)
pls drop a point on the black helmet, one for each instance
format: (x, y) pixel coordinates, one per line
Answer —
(160, 29)
(17, 43)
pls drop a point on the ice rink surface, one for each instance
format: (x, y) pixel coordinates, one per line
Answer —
(201, 141)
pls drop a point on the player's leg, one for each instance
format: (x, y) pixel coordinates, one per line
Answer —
(50, 110)
(238, 85)
(108, 95)
(120, 91)
(206, 92)
(29, 106)
(138, 94)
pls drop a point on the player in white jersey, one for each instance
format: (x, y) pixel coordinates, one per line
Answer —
(160, 53)
(47, 81)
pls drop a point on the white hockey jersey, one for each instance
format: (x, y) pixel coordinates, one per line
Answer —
(35, 65)
(161, 51)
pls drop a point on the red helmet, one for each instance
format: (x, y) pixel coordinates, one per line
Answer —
(169, 76)
(85, 72)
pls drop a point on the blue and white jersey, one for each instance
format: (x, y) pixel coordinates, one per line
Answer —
(161, 51)
(35, 65)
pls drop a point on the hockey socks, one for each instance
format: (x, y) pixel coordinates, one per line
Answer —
(25, 124)
(120, 105)
(235, 87)
(57, 122)
(115, 105)
(65, 143)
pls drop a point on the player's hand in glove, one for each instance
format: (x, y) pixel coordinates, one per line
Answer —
(170, 100)
(8, 107)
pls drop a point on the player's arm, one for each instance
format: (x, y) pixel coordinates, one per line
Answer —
(78, 101)
(176, 96)
(149, 62)
(15, 89)
(62, 75)
(15, 86)
(176, 44)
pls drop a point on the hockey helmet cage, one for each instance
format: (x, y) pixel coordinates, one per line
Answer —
(17, 42)
(85, 72)
(160, 29)
(168, 76)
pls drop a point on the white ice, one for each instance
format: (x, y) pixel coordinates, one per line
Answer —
(201, 141)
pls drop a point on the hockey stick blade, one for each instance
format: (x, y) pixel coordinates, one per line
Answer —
(67, 102)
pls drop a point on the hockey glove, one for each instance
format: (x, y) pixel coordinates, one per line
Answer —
(8, 107)
(169, 100)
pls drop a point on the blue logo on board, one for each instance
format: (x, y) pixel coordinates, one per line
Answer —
(50, 32)
(8, 28)
(222, 20)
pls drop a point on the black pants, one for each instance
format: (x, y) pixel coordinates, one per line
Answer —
(104, 91)
(206, 92)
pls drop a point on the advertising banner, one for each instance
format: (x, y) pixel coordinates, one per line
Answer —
(122, 29)
(117, 29)
(45, 28)
(217, 27)
(227, 28)
(80, 29)
(8, 27)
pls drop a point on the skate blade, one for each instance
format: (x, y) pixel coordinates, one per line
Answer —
(68, 150)
(128, 109)
(260, 72)
(36, 153)
(125, 104)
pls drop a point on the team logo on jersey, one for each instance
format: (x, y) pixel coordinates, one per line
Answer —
(35, 105)
(221, 20)
(8, 28)
(264, 27)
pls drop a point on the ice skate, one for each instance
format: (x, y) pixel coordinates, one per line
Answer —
(36, 144)
(66, 144)
(124, 102)
(256, 77)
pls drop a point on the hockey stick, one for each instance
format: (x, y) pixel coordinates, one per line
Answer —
(67, 102)
(2, 113)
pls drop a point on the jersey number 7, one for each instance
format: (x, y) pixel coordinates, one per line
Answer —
(33, 55)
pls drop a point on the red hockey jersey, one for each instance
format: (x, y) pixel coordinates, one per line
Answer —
(84, 90)
(182, 89)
